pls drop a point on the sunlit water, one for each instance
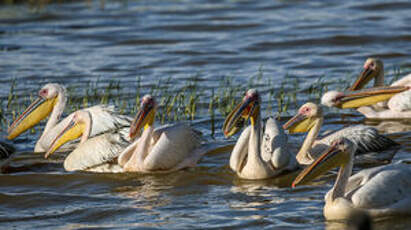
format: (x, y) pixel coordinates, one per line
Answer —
(74, 43)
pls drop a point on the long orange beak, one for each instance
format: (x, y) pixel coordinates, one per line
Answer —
(235, 120)
(331, 158)
(144, 118)
(300, 123)
(366, 76)
(72, 131)
(37, 111)
(366, 97)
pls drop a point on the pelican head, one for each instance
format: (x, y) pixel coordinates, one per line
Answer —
(305, 118)
(37, 111)
(356, 99)
(249, 108)
(337, 155)
(145, 116)
(79, 126)
(372, 68)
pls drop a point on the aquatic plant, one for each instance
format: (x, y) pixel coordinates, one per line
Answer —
(183, 102)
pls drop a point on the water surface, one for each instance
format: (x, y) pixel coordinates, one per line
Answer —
(80, 42)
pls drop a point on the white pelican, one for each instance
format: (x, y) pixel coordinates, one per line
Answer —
(52, 100)
(98, 153)
(166, 149)
(374, 68)
(381, 191)
(398, 106)
(258, 154)
(310, 118)
(369, 101)
(5, 150)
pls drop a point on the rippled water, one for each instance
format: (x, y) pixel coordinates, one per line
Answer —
(74, 43)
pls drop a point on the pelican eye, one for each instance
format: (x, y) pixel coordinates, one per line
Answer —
(305, 110)
(43, 92)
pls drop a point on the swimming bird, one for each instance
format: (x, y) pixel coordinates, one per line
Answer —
(362, 97)
(381, 191)
(52, 101)
(94, 153)
(258, 153)
(309, 118)
(399, 106)
(165, 149)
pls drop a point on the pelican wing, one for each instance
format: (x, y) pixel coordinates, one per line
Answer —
(400, 102)
(366, 138)
(104, 119)
(97, 151)
(274, 145)
(170, 127)
(383, 187)
(404, 81)
(175, 144)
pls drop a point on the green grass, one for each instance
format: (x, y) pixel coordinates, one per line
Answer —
(189, 101)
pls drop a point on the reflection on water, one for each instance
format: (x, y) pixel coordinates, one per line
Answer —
(252, 43)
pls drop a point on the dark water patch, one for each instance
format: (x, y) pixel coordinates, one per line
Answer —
(340, 40)
(205, 27)
(149, 42)
(8, 48)
(386, 6)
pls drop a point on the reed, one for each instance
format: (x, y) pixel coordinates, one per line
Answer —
(189, 101)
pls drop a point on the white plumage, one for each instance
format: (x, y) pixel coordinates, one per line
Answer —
(366, 138)
(381, 191)
(399, 106)
(105, 117)
(169, 148)
(99, 153)
(274, 159)
(166, 149)
(258, 153)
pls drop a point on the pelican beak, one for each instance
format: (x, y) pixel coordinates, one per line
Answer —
(331, 158)
(37, 111)
(249, 107)
(366, 76)
(366, 97)
(72, 131)
(144, 118)
(300, 123)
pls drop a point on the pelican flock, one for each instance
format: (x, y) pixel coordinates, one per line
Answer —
(51, 102)
(165, 149)
(381, 102)
(258, 153)
(399, 106)
(380, 191)
(101, 140)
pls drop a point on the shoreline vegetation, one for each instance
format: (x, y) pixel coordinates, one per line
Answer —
(189, 101)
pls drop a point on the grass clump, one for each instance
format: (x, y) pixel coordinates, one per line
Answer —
(188, 101)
